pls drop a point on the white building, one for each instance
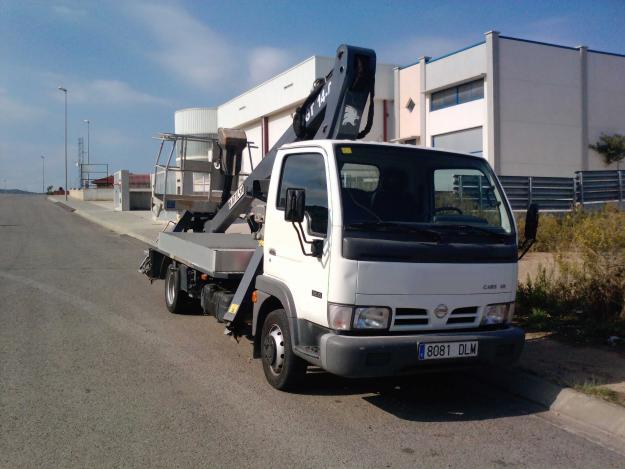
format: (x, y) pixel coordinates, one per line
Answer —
(265, 111)
(529, 108)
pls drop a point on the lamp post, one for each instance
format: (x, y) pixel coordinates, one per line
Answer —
(64, 90)
(88, 122)
(43, 174)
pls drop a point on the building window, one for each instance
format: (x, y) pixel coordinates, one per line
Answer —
(457, 95)
(410, 105)
(465, 141)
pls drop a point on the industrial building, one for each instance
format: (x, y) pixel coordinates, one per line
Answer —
(529, 108)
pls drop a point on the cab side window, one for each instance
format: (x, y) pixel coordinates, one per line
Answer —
(307, 171)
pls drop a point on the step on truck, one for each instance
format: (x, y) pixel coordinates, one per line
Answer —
(363, 259)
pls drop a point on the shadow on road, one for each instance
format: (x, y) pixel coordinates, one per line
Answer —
(439, 397)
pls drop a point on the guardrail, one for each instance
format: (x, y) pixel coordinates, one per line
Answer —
(550, 193)
(561, 193)
(599, 186)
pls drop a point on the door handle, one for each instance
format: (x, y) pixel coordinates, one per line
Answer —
(272, 252)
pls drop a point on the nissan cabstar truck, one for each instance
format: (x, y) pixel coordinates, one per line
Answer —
(363, 259)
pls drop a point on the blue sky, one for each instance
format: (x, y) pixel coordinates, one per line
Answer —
(128, 65)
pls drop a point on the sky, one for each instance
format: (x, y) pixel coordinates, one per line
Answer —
(128, 65)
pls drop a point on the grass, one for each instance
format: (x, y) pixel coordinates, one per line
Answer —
(591, 388)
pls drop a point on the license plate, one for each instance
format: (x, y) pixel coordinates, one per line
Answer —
(438, 350)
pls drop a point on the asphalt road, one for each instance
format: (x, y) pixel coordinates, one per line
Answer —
(95, 372)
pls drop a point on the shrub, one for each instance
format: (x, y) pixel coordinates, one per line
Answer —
(587, 289)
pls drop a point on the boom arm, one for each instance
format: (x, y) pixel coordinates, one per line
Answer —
(333, 110)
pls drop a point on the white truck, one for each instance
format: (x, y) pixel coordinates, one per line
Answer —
(364, 259)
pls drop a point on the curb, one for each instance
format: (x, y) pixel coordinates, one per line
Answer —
(114, 228)
(602, 415)
(97, 221)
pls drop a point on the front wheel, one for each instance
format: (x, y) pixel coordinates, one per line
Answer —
(283, 369)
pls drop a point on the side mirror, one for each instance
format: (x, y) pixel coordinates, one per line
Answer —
(531, 222)
(295, 205)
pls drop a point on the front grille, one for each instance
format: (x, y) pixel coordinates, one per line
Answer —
(411, 317)
(466, 315)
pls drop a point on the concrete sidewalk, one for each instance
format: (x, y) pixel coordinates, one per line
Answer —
(137, 223)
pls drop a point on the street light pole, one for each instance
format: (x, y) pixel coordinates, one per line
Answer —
(88, 122)
(43, 174)
(64, 90)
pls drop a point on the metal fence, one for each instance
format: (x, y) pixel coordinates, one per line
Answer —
(550, 193)
(599, 186)
(560, 193)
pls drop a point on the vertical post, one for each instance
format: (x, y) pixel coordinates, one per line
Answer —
(396, 101)
(43, 174)
(423, 111)
(384, 120)
(492, 93)
(620, 185)
(64, 90)
(479, 181)
(88, 122)
(530, 188)
(580, 186)
(583, 63)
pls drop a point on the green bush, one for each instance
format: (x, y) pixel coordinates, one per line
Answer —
(585, 292)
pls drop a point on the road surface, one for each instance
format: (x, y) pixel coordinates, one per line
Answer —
(95, 372)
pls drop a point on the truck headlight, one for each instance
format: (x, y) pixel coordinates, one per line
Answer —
(500, 313)
(340, 316)
(371, 317)
(347, 317)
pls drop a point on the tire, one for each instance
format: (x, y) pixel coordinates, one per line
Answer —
(176, 300)
(283, 369)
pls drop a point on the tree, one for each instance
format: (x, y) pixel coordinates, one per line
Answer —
(611, 147)
(49, 189)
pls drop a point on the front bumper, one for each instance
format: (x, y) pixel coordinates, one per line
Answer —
(369, 356)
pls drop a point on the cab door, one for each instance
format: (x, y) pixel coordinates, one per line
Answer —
(305, 275)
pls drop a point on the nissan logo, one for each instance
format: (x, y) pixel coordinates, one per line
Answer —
(441, 311)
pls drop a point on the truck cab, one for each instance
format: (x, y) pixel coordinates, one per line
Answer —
(382, 259)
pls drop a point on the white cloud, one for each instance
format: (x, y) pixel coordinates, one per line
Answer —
(108, 92)
(265, 62)
(13, 110)
(69, 13)
(186, 47)
(409, 49)
(200, 56)
(555, 29)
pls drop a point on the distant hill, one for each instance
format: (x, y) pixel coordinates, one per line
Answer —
(16, 191)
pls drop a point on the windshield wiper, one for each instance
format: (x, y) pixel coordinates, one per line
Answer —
(397, 227)
(477, 228)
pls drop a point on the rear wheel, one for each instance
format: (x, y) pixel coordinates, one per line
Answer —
(283, 369)
(177, 301)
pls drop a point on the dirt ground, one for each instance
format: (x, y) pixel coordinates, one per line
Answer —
(596, 370)
(531, 263)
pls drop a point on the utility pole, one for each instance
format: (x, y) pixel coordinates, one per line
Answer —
(43, 174)
(88, 122)
(64, 90)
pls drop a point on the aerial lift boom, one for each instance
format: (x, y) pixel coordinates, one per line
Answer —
(334, 110)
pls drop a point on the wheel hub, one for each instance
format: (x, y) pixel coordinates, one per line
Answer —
(171, 289)
(273, 349)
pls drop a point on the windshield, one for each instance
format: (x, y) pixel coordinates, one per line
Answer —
(391, 186)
